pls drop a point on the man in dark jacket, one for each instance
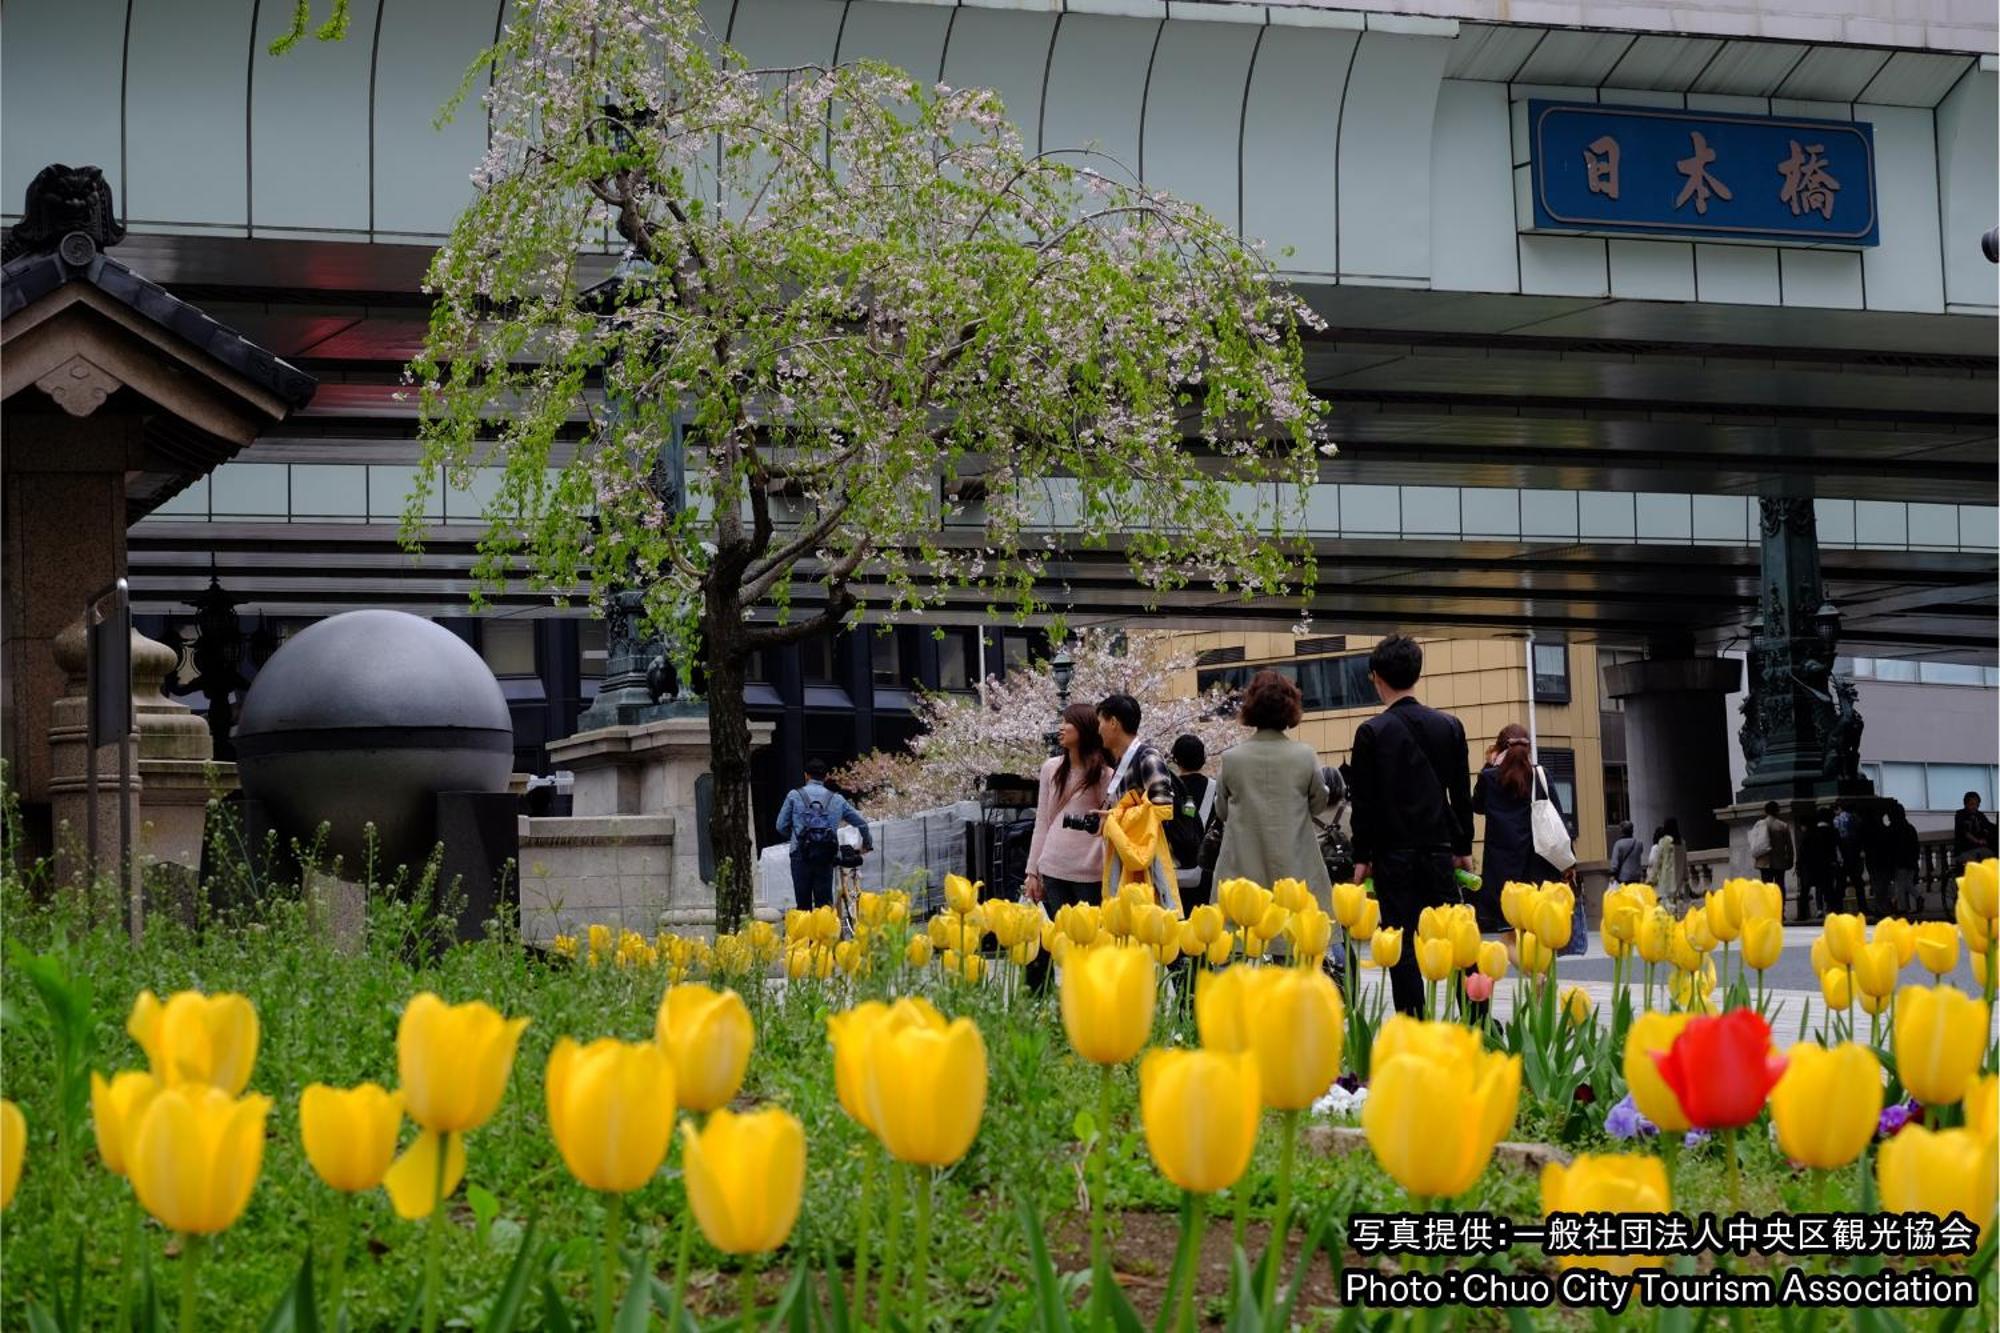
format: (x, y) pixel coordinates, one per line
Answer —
(1411, 788)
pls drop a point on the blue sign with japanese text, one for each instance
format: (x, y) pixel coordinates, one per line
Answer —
(1657, 171)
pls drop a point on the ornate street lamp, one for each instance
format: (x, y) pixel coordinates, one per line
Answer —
(1063, 669)
(1826, 622)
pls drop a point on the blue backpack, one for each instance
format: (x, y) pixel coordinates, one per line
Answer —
(815, 829)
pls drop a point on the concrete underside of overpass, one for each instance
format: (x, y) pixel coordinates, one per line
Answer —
(1429, 390)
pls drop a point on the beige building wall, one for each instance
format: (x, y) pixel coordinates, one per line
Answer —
(1485, 683)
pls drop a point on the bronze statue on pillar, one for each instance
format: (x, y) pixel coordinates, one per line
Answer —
(1801, 731)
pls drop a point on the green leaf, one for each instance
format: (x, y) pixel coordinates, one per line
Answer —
(506, 1310)
(296, 1312)
(635, 1313)
(1051, 1308)
(1085, 1126)
(555, 1319)
(1244, 1316)
(40, 1320)
(484, 1209)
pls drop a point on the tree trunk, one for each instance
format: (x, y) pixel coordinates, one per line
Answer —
(725, 658)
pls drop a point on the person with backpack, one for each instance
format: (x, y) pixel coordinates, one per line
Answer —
(1771, 848)
(811, 817)
(1270, 790)
(1194, 811)
(1849, 833)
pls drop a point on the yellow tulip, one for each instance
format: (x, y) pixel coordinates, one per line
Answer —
(1243, 901)
(1552, 919)
(1980, 886)
(1029, 949)
(1385, 947)
(1533, 956)
(1827, 1104)
(1763, 941)
(1722, 924)
(1107, 1002)
(960, 893)
(1622, 1184)
(1982, 1106)
(1464, 940)
(1656, 936)
(1652, 1033)
(967, 967)
(1116, 917)
(1296, 1024)
(1577, 1005)
(1620, 922)
(1939, 1039)
(1493, 959)
(707, 1036)
(13, 1150)
(925, 1084)
(1875, 968)
(1937, 947)
(1694, 990)
(1367, 921)
(1190, 940)
(1836, 987)
(1974, 925)
(115, 1109)
(1150, 924)
(1684, 953)
(412, 1181)
(1207, 923)
(1274, 921)
(1222, 1007)
(1220, 950)
(1434, 958)
(196, 1038)
(1200, 1110)
(1515, 900)
(1845, 932)
(746, 1177)
(195, 1156)
(1701, 937)
(350, 1133)
(1347, 900)
(1434, 923)
(1895, 931)
(611, 1111)
(1939, 1173)
(1437, 1105)
(1291, 894)
(1873, 1003)
(1311, 931)
(454, 1060)
(918, 952)
(1822, 957)
(851, 1033)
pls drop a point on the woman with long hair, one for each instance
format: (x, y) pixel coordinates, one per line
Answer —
(1065, 863)
(1505, 794)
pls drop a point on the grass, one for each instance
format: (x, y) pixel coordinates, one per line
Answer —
(329, 1016)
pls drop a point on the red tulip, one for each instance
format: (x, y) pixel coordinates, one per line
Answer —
(1721, 1069)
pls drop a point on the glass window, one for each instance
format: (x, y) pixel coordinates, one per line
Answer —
(1905, 783)
(190, 503)
(1605, 515)
(1989, 676)
(242, 490)
(1491, 511)
(1668, 518)
(886, 649)
(1560, 765)
(1949, 673)
(1370, 509)
(1548, 514)
(1895, 669)
(508, 646)
(591, 650)
(1552, 673)
(955, 660)
(1430, 510)
(1721, 518)
(1013, 653)
(329, 490)
(754, 667)
(816, 657)
(1950, 782)
(389, 487)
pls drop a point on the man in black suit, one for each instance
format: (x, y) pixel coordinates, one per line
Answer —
(1411, 788)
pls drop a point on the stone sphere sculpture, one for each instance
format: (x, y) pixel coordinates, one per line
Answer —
(364, 718)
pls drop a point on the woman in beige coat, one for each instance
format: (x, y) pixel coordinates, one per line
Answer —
(1271, 789)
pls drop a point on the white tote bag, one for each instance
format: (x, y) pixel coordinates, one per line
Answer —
(1552, 842)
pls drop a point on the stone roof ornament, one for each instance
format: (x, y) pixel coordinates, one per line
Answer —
(67, 211)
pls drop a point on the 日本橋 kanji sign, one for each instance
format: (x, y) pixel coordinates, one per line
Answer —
(1658, 171)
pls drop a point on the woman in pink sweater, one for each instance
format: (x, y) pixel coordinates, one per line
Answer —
(1066, 865)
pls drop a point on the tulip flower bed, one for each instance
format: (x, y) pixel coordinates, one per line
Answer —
(893, 1130)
